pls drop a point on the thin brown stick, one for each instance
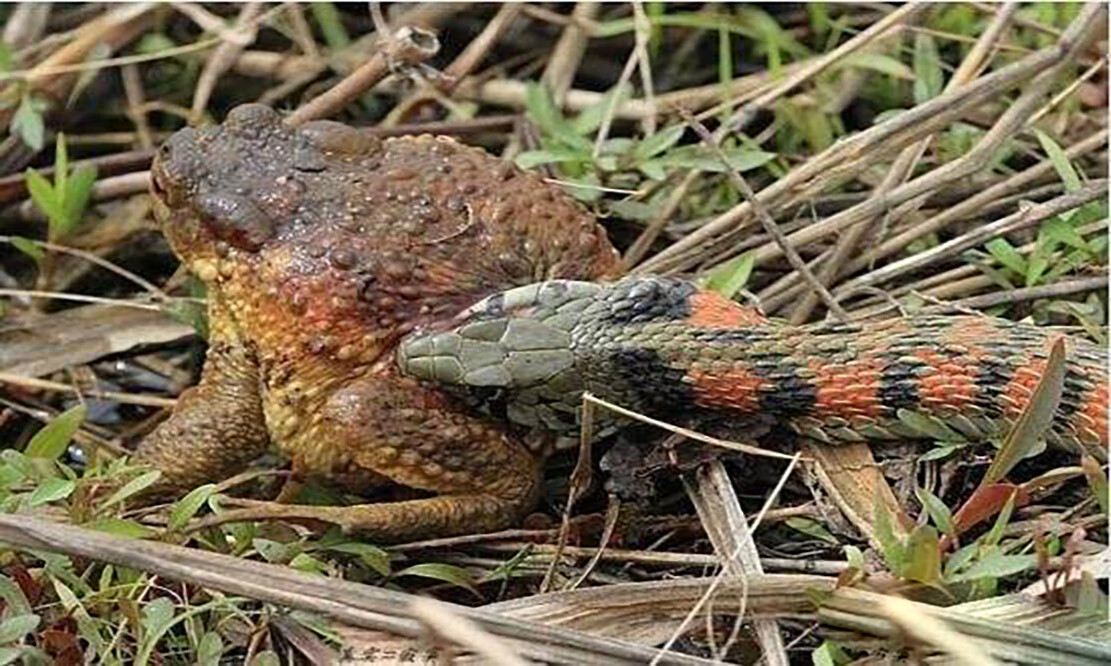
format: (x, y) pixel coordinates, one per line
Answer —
(125, 398)
(406, 48)
(479, 47)
(1028, 216)
(133, 91)
(1055, 290)
(767, 220)
(961, 210)
(219, 61)
(902, 167)
(725, 523)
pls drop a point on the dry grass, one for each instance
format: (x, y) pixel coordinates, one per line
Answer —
(913, 158)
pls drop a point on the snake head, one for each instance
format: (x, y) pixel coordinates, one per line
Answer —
(515, 339)
(519, 341)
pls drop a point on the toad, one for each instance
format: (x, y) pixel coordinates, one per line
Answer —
(321, 247)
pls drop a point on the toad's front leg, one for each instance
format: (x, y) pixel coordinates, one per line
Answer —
(485, 479)
(217, 427)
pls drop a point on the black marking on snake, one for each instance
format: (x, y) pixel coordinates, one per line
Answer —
(1076, 385)
(642, 301)
(741, 337)
(991, 382)
(657, 386)
(495, 305)
(790, 394)
(899, 385)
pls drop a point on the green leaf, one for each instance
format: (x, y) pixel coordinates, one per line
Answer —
(1060, 231)
(13, 596)
(154, 42)
(654, 144)
(266, 658)
(958, 560)
(8, 655)
(586, 188)
(818, 13)
(308, 564)
(829, 654)
(812, 122)
(894, 553)
(51, 490)
(28, 247)
(940, 452)
(543, 111)
(189, 313)
(923, 559)
(770, 38)
(939, 513)
(995, 534)
(373, 557)
(928, 79)
(133, 487)
(854, 557)
(653, 170)
(15, 628)
(1039, 262)
(811, 527)
(1060, 161)
(28, 125)
(76, 198)
(878, 62)
(61, 164)
(1097, 481)
(725, 56)
(46, 199)
(185, 508)
(1027, 434)
(19, 461)
(532, 158)
(209, 649)
(700, 157)
(331, 25)
(445, 573)
(121, 527)
(276, 552)
(7, 58)
(590, 119)
(1007, 255)
(997, 565)
(731, 277)
(1090, 600)
(157, 613)
(634, 210)
(929, 426)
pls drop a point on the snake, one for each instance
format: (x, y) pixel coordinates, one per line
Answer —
(667, 348)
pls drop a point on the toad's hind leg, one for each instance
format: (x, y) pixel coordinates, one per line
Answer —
(485, 480)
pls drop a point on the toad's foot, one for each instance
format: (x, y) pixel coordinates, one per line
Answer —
(388, 522)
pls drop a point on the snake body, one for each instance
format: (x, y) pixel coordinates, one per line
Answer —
(669, 349)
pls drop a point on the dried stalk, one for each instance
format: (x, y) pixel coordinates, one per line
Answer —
(847, 158)
(352, 603)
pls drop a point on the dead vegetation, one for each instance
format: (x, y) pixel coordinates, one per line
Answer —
(853, 161)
